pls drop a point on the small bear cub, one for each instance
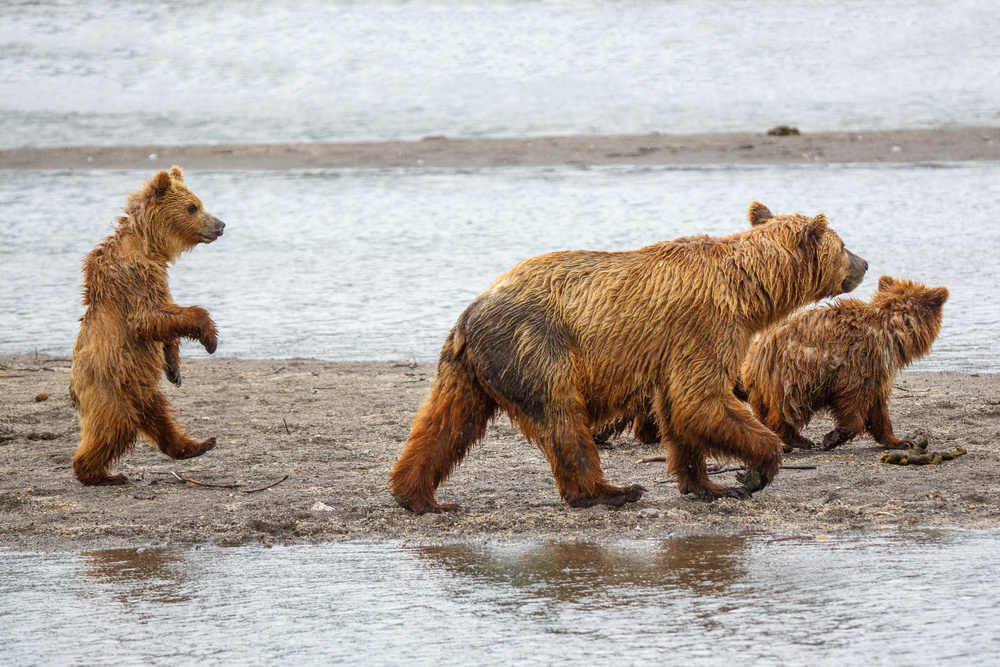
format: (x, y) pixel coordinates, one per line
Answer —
(842, 358)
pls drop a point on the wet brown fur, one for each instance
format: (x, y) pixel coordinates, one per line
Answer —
(131, 329)
(842, 358)
(567, 343)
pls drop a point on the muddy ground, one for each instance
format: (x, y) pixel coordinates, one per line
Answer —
(335, 428)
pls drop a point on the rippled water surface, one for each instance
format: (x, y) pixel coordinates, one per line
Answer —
(897, 599)
(379, 264)
(140, 71)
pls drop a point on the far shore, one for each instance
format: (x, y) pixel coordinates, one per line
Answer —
(734, 148)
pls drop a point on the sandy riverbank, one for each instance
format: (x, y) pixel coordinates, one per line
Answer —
(741, 148)
(335, 428)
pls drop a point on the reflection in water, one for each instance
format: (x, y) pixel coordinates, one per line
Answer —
(696, 600)
(569, 572)
(134, 575)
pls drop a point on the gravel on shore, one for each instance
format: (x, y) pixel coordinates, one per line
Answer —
(331, 431)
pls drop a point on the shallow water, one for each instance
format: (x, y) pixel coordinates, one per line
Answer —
(250, 71)
(897, 599)
(379, 264)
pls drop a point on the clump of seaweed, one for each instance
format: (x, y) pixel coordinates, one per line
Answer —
(919, 456)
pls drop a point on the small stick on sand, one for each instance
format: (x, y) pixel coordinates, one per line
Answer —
(268, 486)
(185, 480)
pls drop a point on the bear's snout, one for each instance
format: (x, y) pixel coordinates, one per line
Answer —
(211, 228)
(856, 269)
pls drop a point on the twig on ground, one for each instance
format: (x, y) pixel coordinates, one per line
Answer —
(286, 426)
(923, 391)
(185, 480)
(263, 488)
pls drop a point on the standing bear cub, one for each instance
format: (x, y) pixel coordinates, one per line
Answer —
(570, 342)
(131, 329)
(842, 358)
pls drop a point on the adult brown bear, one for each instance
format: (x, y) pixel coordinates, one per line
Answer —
(567, 342)
(130, 331)
(843, 358)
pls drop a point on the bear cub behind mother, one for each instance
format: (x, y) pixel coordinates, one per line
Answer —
(567, 342)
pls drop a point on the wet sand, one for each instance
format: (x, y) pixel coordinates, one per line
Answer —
(335, 428)
(741, 148)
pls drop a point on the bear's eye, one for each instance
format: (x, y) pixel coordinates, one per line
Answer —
(192, 208)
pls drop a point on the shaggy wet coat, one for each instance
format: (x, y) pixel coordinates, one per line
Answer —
(842, 358)
(568, 342)
(130, 332)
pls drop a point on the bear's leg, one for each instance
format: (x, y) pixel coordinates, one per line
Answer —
(172, 361)
(790, 436)
(158, 423)
(722, 427)
(450, 421)
(880, 427)
(645, 430)
(101, 444)
(846, 426)
(687, 464)
(564, 434)
(772, 418)
(569, 447)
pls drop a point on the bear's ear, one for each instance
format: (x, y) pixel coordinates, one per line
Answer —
(885, 282)
(813, 231)
(758, 213)
(937, 296)
(176, 173)
(158, 186)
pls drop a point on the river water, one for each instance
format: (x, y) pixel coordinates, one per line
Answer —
(887, 599)
(251, 71)
(378, 264)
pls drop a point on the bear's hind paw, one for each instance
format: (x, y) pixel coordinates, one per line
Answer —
(425, 506)
(613, 496)
(196, 450)
(106, 480)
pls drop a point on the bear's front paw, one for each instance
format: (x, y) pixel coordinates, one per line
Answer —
(834, 439)
(751, 480)
(209, 339)
(174, 375)
(800, 442)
